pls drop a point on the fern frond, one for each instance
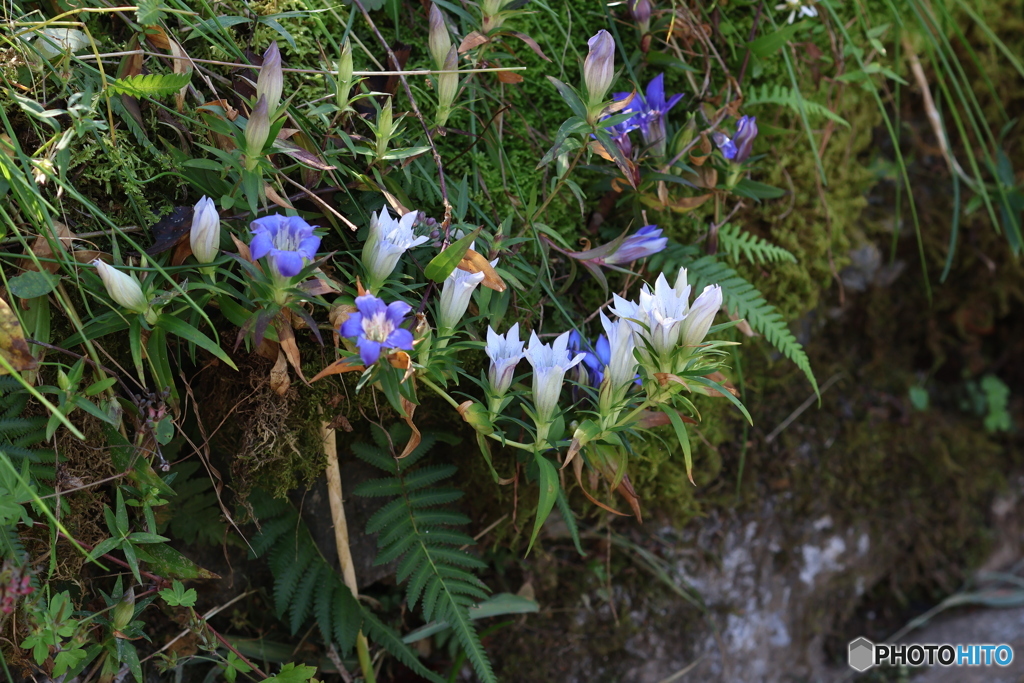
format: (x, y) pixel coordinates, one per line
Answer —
(305, 584)
(736, 242)
(741, 299)
(792, 98)
(419, 537)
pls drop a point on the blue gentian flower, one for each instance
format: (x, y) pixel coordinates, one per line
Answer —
(649, 117)
(287, 241)
(738, 147)
(643, 243)
(597, 360)
(377, 326)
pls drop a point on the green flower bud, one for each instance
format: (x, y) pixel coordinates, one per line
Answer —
(344, 67)
(124, 610)
(477, 416)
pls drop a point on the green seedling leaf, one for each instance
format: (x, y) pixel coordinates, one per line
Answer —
(177, 596)
(169, 563)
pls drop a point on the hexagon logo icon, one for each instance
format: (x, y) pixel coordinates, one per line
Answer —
(862, 654)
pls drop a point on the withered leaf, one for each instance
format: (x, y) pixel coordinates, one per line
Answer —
(472, 262)
(170, 230)
(13, 346)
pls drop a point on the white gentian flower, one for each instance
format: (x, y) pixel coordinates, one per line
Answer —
(388, 240)
(122, 287)
(665, 309)
(205, 235)
(802, 8)
(550, 364)
(505, 353)
(455, 295)
(701, 315)
(621, 369)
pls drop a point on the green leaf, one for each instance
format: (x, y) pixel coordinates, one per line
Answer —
(177, 596)
(293, 673)
(150, 85)
(171, 564)
(766, 46)
(570, 96)
(684, 439)
(32, 283)
(182, 329)
(755, 190)
(442, 265)
(548, 483)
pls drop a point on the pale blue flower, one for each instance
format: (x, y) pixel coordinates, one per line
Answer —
(505, 352)
(701, 315)
(377, 327)
(286, 241)
(388, 240)
(550, 363)
(455, 295)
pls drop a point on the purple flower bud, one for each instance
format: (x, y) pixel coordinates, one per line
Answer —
(377, 326)
(270, 83)
(739, 147)
(746, 131)
(641, 11)
(641, 244)
(599, 66)
(439, 41)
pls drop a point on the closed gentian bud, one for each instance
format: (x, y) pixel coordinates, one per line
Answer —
(702, 314)
(439, 41)
(643, 243)
(621, 368)
(641, 11)
(257, 130)
(447, 86)
(344, 75)
(122, 287)
(599, 67)
(746, 131)
(124, 610)
(270, 83)
(205, 235)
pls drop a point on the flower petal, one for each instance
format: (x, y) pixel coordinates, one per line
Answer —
(400, 339)
(353, 325)
(396, 311)
(261, 245)
(369, 350)
(288, 263)
(369, 305)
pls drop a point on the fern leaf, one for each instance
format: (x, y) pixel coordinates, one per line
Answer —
(743, 300)
(415, 533)
(738, 243)
(378, 488)
(150, 85)
(348, 618)
(792, 98)
(290, 564)
(303, 598)
(392, 642)
(375, 457)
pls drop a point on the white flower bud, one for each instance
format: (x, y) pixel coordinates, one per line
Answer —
(205, 235)
(122, 287)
